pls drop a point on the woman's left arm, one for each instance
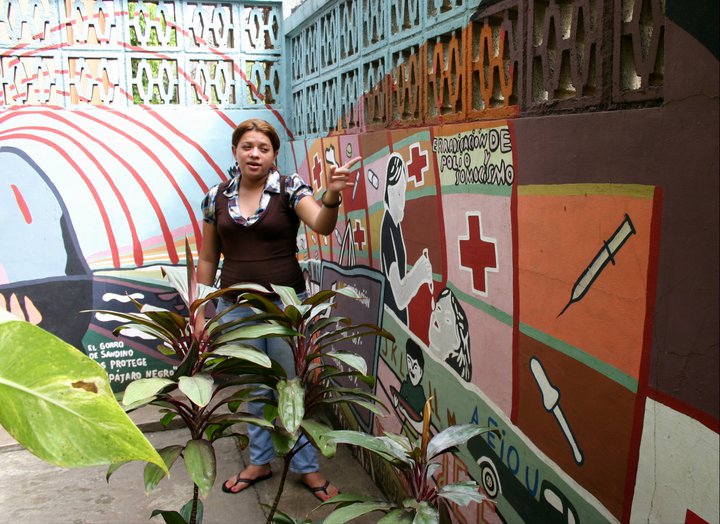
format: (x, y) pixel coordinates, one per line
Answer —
(322, 217)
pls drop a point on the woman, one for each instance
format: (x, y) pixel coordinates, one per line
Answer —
(252, 221)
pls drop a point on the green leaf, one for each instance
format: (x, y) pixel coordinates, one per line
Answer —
(177, 277)
(321, 321)
(294, 317)
(345, 498)
(186, 510)
(144, 388)
(283, 442)
(246, 418)
(382, 446)
(57, 403)
(198, 388)
(200, 463)
(354, 361)
(426, 514)
(287, 295)
(291, 403)
(248, 287)
(352, 511)
(348, 291)
(462, 493)
(170, 321)
(256, 331)
(397, 516)
(243, 352)
(167, 418)
(370, 406)
(452, 436)
(152, 475)
(315, 432)
(401, 440)
(170, 517)
(112, 468)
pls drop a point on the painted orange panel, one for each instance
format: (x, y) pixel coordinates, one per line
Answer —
(564, 230)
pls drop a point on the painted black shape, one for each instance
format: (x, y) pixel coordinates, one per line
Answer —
(76, 263)
(700, 18)
(509, 487)
(58, 299)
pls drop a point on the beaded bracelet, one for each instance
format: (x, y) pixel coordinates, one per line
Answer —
(331, 206)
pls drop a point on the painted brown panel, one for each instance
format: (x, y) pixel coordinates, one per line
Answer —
(593, 448)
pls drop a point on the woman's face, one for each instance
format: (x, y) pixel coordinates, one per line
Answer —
(254, 154)
(443, 333)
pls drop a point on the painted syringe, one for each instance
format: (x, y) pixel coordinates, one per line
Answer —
(605, 255)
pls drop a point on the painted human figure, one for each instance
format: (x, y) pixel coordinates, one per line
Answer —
(410, 400)
(404, 283)
(449, 334)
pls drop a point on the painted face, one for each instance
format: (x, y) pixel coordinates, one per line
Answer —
(254, 154)
(443, 333)
(414, 371)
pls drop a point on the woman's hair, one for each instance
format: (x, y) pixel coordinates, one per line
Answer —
(256, 124)
(395, 168)
(459, 360)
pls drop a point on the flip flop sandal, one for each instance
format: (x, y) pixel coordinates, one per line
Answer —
(249, 482)
(320, 489)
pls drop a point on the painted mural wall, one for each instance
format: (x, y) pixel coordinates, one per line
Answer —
(116, 119)
(535, 217)
(538, 197)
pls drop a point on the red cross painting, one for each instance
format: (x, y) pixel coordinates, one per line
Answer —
(316, 172)
(478, 253)
(418, 165)
(359, 235)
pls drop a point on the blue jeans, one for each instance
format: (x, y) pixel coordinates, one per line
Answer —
(261, 447)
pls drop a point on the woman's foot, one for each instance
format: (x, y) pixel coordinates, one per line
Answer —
(318, 486)
(246, 478)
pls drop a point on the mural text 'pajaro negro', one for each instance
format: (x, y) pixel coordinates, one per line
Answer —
(477, 156)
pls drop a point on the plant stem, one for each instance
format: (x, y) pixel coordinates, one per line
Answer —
(193, 511)
(286, 467)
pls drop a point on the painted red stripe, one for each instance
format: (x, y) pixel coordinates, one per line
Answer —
(644, 372)
(515, 403)
(137, 247)
(704, 418)
(167, 234)
(91, 188)
(22, 204)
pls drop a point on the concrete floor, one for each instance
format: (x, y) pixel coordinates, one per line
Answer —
(34, 492)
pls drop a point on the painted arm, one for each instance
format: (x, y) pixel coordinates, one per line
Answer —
(404, 289)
